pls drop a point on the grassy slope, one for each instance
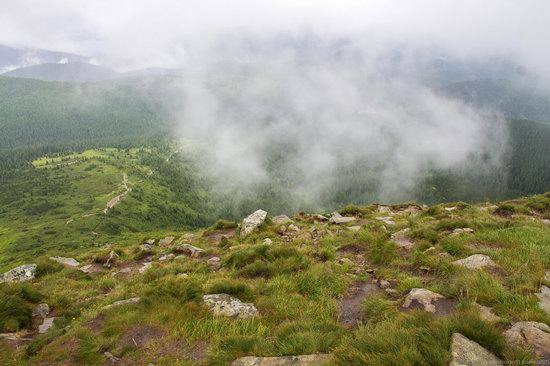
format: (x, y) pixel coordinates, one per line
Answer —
(296, 286)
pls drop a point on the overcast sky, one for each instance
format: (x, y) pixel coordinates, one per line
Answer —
(135, 33)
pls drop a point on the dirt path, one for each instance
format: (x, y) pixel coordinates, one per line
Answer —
(116, 200)
(350, 305)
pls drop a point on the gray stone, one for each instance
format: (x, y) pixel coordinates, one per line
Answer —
(424, 297)
(336, 218)
(354, 228)
(476, 261)
(486, 313)
(166, 257)
(468, 353)
(547, 276)
(133, 300)
(384, 284)
(224, 304)
(145, 247)
(22, 273)
(320, 218)
(46, 324)
(145, 267)
(214, 262)
(267, 241)
(89, 268)
(544, 299)
(281, 220)
(534, 335)
(111, 358)
(252, 222)
(302, 360)
(70, 262)
(386, 220)
(401, 239)
(293, 227)
(166, 241)
(150, 241)
(41, 310)
(189, 250)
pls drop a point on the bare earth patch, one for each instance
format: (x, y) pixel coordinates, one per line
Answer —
(216, 236)
(350, 304)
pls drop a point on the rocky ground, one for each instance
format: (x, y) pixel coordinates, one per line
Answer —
(452, 284)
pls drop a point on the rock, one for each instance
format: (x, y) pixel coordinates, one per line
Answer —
(391, 291)
(345, 261)
(384, 284)
(112, 359)
(166, 257)
(267, 241)
(305, 236)
(214, 262)
(112, 259)
(468, 353)
(189, 250)
(320, 218)
(22, 273)
(252, 222)
(546, 222)
(354, 228)
(89, 268)
(294, 228)
(188, 237)
(224, 304)
(302, 360)
(133, 300)
(46, 324)
(547, 276)
(166, 241)
(450, 209)
(70, 262)
(41, 310)
(336, 218)
(145, 267)
(424, 297)
(386, 220)
(281, 220)
(476, 261)
(486, 313)
(385, 210)
(534, 335)
(401, 240)
(145, 247)
(459, 231)
(150, 241)
(544, 299)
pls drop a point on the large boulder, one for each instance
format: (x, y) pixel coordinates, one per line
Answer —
(46, 324)
(252, 222)
(476, 261)
(544, 298)
(22, 273)
(224, 304)
(534, 335)
(469, 353)
(303, 360)
(281, 220)
(41, 310)
(69, 262)
(424, 298)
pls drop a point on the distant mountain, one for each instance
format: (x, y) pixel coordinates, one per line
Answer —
(12, 58)
(521, 100)
(72, 71)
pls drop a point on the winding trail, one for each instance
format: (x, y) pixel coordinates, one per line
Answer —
(116, 200)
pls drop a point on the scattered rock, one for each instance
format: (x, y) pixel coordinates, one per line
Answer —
(145, 267)
(386, 220)
(486, 313)
(450, 209)
(320, 218)
(281, 220)
(166, 241)
(336, 218)
(145, 247)
(534, 335)
(188, 237)
(384, 284)
(90, 268)
(112, 359)
(41, 310)
(544, 299)
(294, 228)
(354, 228)
(46, 324)
(252, 222)
(150, 241)
(224, 304)
(426, 298)
(476, 261)
(267, 241)
(468, 353)
(302, 360)
(166, 257)
(401, 240)
(189, 250)
(385, 210)
(133, 300)
(112, 259)
(70, 262)
(22, 273)
(459, 231)
(214, 262)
